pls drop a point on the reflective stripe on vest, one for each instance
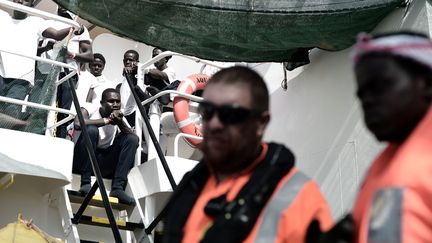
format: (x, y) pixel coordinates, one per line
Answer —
(385, 219)
(276, 206)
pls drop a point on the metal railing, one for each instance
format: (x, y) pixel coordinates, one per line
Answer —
(177, 139)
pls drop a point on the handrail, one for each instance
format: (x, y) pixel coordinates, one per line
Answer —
(68, 76)
(35, 105)
(41, 59)
(70, 116)
(37, 12)
(170, 53)
(188, 96)
(177, 138)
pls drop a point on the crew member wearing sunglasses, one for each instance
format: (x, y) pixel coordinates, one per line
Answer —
(244, 190)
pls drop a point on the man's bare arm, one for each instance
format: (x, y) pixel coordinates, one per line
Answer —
(96, 122)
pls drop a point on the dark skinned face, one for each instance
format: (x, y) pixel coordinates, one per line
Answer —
(130, 60)
(162, 62)
(393, 101)
(96, 67)
(110, 103)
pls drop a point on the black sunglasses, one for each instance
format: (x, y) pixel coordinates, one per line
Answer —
(228, 114)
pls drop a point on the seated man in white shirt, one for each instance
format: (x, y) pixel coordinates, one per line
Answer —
(160, 75)
(115, 153)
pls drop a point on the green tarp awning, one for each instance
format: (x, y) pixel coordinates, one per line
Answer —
(237, 30)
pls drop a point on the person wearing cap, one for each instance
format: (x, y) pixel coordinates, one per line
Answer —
(244, 189)
(394, 84)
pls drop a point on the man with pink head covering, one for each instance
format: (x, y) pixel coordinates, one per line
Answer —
(394, 84)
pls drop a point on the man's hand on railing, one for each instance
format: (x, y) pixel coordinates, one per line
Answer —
(130, 72)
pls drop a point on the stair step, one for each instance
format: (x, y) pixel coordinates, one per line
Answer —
(104, 222)
(76, 197)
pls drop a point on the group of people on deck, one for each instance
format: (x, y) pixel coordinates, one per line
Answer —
(112, 136)
(244, 189)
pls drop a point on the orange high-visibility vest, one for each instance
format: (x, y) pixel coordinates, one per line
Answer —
(295, 202)
(395, 201)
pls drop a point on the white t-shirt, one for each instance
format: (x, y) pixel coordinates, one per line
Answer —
(170, 72)
(86, 80)
(101, 83)
(128, 104)
(20, 36)
(73, 45)
(106, 133)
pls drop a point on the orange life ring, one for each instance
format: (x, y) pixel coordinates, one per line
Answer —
(186, 125)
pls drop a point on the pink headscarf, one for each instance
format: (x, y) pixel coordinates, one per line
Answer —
(412, 46)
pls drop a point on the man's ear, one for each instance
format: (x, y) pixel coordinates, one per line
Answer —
(263, 122)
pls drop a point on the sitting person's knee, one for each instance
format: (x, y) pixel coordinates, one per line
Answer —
(132, 139)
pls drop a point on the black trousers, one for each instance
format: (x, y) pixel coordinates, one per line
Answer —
(114, 161)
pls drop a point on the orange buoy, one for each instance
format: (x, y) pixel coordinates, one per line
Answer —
(184, 122)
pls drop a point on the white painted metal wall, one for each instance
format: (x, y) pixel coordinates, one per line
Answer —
(319, 117)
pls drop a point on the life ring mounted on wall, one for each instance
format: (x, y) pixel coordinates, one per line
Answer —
(184, 122)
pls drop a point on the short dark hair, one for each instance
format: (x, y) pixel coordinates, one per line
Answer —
(244, 75)
(133, 52)
(107, 91)
(99, 56)
(162, 50)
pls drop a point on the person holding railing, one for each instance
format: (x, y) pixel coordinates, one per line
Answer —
(130, 70)
(115, 151)
(79, 51)
(20, 35)
(159, 75)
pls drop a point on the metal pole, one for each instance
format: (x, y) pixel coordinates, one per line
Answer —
(151, 133)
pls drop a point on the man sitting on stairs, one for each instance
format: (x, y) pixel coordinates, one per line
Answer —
(114, 151)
